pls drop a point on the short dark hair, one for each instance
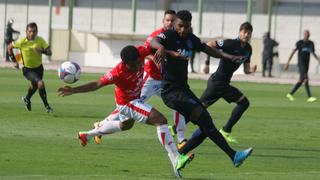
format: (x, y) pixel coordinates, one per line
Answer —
(129, 53)
(170, 11)
(246, 26)
(32, 25)
(184, 15)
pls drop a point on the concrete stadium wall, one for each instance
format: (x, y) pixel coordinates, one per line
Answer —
(118, 21)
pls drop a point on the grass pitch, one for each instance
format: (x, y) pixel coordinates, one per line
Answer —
(36, 145)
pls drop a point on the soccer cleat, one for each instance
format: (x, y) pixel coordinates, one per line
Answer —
(182, 143)
(290, 97)
(228, 137)
(311, 99)
(97, 139)
(48, 109)
(183, 160)
(83, 138)
(240, 156)
(172, 130)
(27, 103)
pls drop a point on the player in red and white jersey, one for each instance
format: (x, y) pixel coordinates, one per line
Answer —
(127, 77)
(152, 78)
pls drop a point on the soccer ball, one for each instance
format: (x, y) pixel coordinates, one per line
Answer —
(69, 72)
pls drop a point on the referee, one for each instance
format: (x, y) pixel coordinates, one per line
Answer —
(32, 47)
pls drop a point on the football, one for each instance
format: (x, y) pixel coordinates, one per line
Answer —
(69, 72)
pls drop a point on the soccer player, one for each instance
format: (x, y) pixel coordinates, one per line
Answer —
(218, 85)
(127, 77)
(152, 79)
(176, 93)
(32, 47)
(304, 48)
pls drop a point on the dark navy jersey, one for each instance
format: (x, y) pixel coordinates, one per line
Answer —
(226, 68)
(304, 50)
(175, 71)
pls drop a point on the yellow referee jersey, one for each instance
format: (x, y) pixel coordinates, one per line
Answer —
(31, 58)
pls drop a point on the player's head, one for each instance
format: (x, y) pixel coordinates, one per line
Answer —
(10, 21)
(245, 32)
(182, 24)
(168, 19)
(31, 31)
(130, 56)
(306, 34)
(266, 35)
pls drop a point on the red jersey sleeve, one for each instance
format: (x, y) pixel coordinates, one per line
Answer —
(109, 78)
(143, 52)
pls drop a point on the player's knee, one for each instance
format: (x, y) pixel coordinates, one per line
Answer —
(244, 103)
(156, 118)
(196, 113)
(40, 84)
(126, 125)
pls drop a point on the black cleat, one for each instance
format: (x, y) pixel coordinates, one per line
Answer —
(27, 103)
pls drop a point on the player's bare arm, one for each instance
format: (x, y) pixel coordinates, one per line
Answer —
(214, 52)
(290, 57)
(67, 90)
(11, 55)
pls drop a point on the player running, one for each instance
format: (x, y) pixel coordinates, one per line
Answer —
(176, 93)
(127, 77)
(218, 85)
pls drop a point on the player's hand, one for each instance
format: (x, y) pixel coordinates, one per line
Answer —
(65, 91)
(206, 69)
(286, 66)
(16, 65)
(38, 50)
(160, 55)
(177, 55)
(253, 68)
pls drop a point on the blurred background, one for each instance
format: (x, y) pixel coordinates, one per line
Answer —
(92, 32)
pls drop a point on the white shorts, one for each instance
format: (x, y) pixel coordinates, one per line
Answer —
(136, 109)
(150, 88)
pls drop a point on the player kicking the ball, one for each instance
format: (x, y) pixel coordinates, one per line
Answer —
(152, 82)
(127, 77)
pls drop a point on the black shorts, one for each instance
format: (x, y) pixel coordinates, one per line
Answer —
(181, 100)
(33, 74)
(217, 89)
(303, 70)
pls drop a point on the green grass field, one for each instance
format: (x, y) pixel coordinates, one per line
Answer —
(36, 145)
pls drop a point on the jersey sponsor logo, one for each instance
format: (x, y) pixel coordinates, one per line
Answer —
(109, 76)
(220, 42)
(162, 36)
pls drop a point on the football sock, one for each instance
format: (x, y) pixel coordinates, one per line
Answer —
(207, 127)
(166, 140)
(306, 84)
(237, 112)
(180, 124)
(31, 91)
(295, 88)
(105, 127)
(43, 95)
(196, 139)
